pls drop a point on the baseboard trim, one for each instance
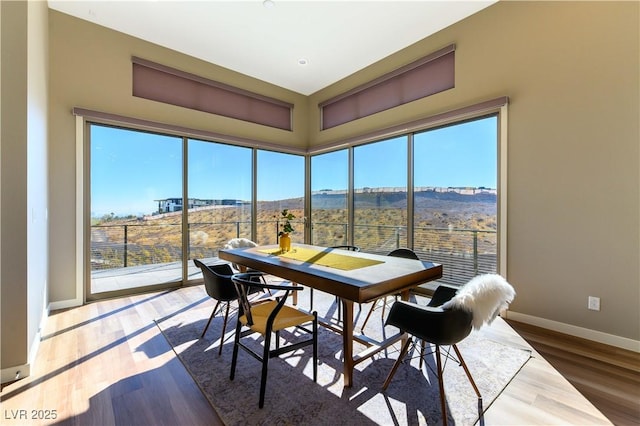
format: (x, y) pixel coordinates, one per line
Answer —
(64, 304)
(12, 374)
(35, 344)
(573, 330)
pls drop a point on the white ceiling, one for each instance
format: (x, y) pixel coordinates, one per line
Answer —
(337, 38)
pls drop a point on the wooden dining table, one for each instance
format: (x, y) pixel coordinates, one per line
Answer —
(353, 277)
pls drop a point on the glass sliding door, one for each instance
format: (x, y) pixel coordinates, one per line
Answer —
(219, 195)
(455, 198)
(380, 195)
(135, 208)
(329, 198)
(280, 185)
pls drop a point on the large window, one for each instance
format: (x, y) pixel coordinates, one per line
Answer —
(380, 195)
(219, 194)
(156, 201)
(434, 191)
(455, 198)
(280, 185)
(136, 203)
(329, 199)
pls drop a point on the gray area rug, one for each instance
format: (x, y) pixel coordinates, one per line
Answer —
(292, 398)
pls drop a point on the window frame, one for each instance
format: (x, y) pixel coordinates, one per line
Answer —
(498, 106)
(84, 119)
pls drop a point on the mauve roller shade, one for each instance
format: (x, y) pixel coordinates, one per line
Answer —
(423, 78)
(180, 90)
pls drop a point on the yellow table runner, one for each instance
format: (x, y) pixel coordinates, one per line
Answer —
(324, 258)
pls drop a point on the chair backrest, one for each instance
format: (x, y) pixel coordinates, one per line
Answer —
(432, 324)
(441, 295)
(350, 248)
(404, 252)
(242, 284)
(217, 281)
(249, 282)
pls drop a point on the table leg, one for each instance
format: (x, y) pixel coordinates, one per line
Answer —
(404, 295)
(347, 339)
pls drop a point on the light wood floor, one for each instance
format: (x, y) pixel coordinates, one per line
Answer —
(107, 363)
(608, 376)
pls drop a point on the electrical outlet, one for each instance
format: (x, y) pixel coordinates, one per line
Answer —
(594, 303)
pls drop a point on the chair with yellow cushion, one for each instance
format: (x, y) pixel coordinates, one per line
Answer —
(269, 318)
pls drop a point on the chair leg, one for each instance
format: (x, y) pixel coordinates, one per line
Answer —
(423, 346)
(236, 343)
(403, 353)
(384, 305)
(466, 370)
(213, 314)
(265, 366)
(315, 346)
(224, 328)
(443, 403)
(373, 307)
(294, 296)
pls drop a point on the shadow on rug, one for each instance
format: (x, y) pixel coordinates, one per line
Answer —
(293, 398)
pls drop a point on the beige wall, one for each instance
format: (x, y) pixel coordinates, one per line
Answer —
(24, 246)
(91, 68)
(571, 73)
(13, 155)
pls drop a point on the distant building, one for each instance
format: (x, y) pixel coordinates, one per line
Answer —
(169, 205)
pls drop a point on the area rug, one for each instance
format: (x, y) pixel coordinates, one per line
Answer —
(292, 398)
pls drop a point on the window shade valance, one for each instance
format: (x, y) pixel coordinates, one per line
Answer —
(164, 84)
(429, 75)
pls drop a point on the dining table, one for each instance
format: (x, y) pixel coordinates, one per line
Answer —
(353, 277)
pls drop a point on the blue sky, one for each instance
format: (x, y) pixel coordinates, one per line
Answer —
(130, 169)
(461, 155)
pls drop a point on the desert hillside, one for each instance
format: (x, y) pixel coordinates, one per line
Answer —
(380, 218)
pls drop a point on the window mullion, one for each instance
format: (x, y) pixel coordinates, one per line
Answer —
(410, 184)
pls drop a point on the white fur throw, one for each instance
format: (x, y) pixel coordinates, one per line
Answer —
(484, 296)
(239, 242)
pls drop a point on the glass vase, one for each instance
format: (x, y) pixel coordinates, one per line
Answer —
(285, 243)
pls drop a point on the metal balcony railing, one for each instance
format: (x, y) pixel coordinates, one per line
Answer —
(463, 253)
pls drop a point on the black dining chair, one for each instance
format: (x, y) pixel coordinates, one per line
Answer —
(267, 318)
(450, 317)
(399, 252)
(218, 285)
(434, 325)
